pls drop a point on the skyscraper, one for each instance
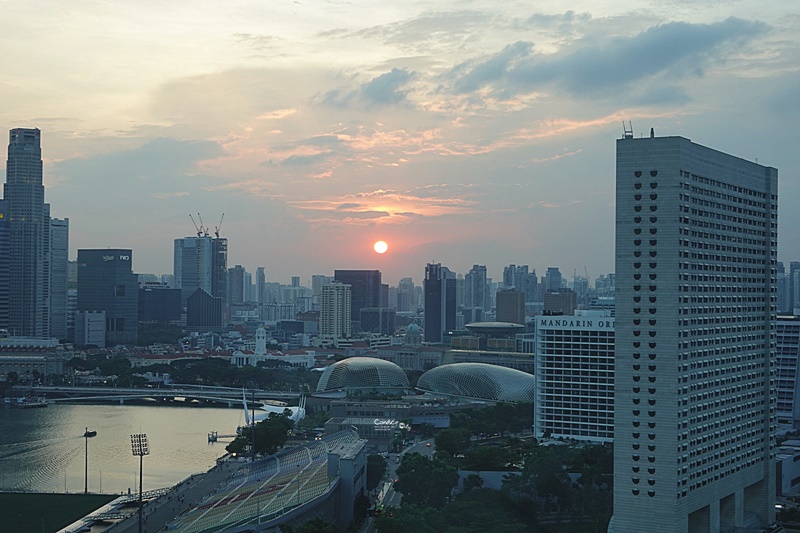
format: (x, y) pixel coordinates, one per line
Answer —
(236, 285)
(106, 282)
(440, 301)
(334, 313)
(5, 282)
(261, 281)
(28, 237)
(552, 279)
(366, 290)
(787, 377)
(694, 409)
(510, 306)
(476, 291)
(201, 263)
(59, 258)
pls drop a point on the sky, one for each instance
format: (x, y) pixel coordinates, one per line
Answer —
(460, 132)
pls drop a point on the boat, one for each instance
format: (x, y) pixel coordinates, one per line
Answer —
(88, 433)
(29, 402)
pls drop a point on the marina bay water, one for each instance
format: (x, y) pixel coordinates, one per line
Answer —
(42, 450)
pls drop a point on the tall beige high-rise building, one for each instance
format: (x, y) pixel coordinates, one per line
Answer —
(694, 407)
(334, 311)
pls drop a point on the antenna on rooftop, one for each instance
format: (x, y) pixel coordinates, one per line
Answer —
(627, 130)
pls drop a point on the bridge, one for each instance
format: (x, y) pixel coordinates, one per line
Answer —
(179, 393)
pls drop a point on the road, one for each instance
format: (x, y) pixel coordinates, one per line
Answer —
(392, 498)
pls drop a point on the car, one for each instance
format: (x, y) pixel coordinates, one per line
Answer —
(428, 445)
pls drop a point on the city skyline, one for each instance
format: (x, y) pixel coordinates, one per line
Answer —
(475, 133)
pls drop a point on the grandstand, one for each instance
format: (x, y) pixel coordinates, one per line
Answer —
(266, 490)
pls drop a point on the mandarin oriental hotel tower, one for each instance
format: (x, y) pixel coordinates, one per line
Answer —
(694, 407)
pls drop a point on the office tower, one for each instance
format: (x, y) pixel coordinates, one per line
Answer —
(28, 248)
(219, 269)
(59, 250)
(460, 290)
(204, 312)
(509, 274)
(159, 304)
(384, 295)
(510, 306)
(787, 377)
(201, 263)
(295, 281)
(366, 290)
(439, 287)
(694, 408)
(532, 290)
(794, 285)
(90, 328)
(318, 281)
(378, 320)
(5, 282)
(236, 284)
(249, 288)
(552, 279)
(518, 277)
(406, 299)
(106, 282)
(334, 312)
(563, 302)
(782, 289)
(476, 291)
(261, 281)
(575, 376)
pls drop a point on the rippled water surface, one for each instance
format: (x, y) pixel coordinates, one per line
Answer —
(42, 450)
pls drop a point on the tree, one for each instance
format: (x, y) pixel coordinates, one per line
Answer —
(472, 481)
(487, 458)
(376, 469)
(271, 434)
(453, 441)
(425, 481)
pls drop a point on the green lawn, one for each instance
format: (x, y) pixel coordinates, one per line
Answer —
(46, 512)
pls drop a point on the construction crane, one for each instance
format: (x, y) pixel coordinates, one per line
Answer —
(203, 228)
(216, 229)
(198, 229)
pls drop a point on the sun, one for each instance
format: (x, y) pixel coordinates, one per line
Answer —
(380, 247)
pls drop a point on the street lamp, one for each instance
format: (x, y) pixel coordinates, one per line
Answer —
(86, 435)
(139, 448)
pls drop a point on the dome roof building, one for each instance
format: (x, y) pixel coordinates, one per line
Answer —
(364, 373)
(479, 381)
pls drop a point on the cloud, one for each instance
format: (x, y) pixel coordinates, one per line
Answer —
(256, 41)
(152, 161)
(393, 206)
(382, 90)
(599, 66)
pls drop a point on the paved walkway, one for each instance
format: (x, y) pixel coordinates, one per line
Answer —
(184, 496)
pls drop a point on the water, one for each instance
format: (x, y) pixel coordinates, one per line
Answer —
(42, 450)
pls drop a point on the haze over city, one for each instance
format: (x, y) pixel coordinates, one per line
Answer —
(464, 133)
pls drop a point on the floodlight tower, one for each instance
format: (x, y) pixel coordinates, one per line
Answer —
(139, 448)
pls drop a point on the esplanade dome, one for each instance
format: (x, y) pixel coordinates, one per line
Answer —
(479, 381)
(363, 373)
